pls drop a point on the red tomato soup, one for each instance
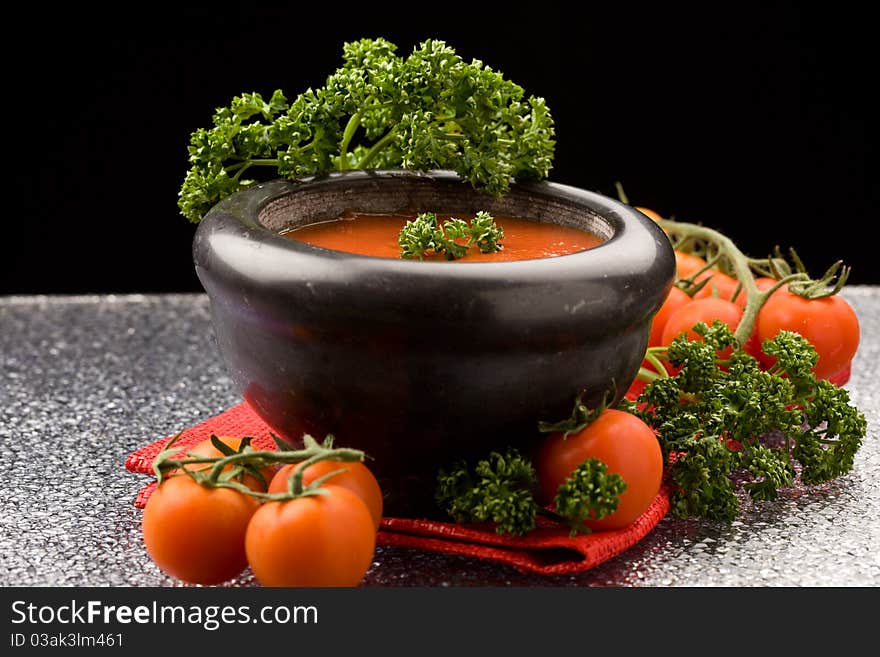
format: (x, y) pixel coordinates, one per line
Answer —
(376, 235)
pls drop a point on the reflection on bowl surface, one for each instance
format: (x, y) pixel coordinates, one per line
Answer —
(423, 363)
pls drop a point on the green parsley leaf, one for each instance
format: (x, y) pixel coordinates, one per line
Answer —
(420, 235)
(424, 234)
(497, 490)
(484, 233)
(589, 493)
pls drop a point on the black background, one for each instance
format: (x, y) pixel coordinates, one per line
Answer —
(752, 122)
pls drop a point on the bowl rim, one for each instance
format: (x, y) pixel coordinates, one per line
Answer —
(631, 231)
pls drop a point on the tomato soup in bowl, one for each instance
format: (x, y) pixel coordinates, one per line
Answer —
(377, 235)
(422, 362)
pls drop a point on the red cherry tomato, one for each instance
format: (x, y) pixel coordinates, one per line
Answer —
(687, 264)
(764, 283)
(830, 324)
(724, 287)
(196, 533)
(357, 478)
(648, 212)
(317, 540)
(702, 310)
(625, 444)
(674, 300)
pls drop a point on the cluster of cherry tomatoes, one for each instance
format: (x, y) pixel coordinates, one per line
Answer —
(829, 323)
(208, 535)
(626, 444)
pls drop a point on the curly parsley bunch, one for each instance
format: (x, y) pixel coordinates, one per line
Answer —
(711, 422)
(378, 110)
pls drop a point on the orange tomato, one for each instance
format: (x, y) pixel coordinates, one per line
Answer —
(356, 476)
(722, 286)
(651, 214)
(688, 264)
(674, 300)
(197, 533)
(625, 444)
(830, 324)
(702, 310)
(317, 540)
(764, 283)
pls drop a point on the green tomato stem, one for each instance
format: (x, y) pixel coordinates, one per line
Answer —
(310, 454)
(322, 453)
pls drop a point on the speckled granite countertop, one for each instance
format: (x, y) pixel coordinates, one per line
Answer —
(86, 380)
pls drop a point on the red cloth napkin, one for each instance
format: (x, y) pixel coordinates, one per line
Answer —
(547, 550)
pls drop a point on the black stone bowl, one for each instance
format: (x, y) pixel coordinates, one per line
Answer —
(422, 363)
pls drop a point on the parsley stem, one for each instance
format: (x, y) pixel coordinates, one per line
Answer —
(351, 127)
(648, 376)
(376, 148)
(448, 136)
(244, 166)
(552, 515)
(657, 364)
